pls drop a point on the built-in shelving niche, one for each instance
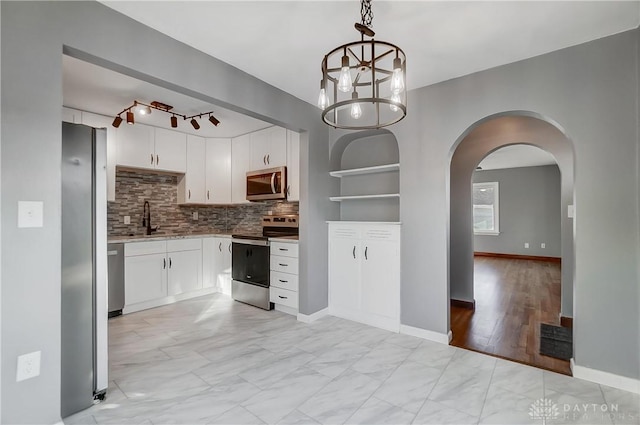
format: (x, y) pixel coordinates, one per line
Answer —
(368, 168)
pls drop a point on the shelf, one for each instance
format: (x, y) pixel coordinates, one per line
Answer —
(358, 197)
(366, 170)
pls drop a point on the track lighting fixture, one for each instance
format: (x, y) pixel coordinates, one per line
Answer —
(213, 120)
(117, 121)
(145, 109)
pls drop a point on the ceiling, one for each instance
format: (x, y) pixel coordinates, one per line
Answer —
(95, 89)
(515, 156)
(283, 42)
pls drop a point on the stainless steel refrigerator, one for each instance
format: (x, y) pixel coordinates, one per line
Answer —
(84, 267)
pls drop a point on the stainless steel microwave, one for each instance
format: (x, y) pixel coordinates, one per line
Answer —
(267, 184)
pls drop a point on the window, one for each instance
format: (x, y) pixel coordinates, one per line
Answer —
(485, 208)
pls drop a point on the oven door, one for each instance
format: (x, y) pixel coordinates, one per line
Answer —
(250, 261)
(267, 184)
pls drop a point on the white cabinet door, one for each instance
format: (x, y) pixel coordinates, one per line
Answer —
(218, 171)
(222, 254)
(293, 166)
(184, 271)
(240, 162)
(268, 148)
(170, 151)
(145, 278)
(209, 273)
(191, 186)
(344, 274)
(135, 146)
(381, 278)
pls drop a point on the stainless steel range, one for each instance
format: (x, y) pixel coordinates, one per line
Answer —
(250, 259)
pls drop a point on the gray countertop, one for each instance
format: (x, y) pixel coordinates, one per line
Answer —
(161, 237)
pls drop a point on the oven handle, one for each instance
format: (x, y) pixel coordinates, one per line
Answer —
(250, 242)
(273, 183)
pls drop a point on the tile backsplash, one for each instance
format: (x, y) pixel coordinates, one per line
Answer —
(133, 188)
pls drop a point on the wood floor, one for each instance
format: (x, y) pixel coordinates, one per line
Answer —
(513, 296)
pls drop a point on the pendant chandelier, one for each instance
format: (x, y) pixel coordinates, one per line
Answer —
(363, 82)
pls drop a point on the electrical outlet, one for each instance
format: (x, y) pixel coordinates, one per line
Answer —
(526, 245)
(127, 219)
(28, 366)
(543, 245)
(195, 215)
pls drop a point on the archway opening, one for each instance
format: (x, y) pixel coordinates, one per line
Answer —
(523, 196)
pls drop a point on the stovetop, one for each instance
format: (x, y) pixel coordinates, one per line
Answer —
(254, 236)
(274, 226)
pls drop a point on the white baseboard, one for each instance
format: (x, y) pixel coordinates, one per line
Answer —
(605, 378)
(425, 334)
(308, 318)
(167, 300)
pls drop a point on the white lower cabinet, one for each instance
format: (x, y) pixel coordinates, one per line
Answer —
(216, 264)
(161, 272)
(283, 276)
(364, 273)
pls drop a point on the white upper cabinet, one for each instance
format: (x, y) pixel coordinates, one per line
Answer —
(135, 147)
(218, 171)
(141, 146)
(170, 151)
(240, 162)
(293, 166)
(191, 186)
(269, 148)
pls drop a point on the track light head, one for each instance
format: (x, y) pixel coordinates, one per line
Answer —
(130, 118)
(214, 120)
(143, 109)
(174, 122)
(117, 121)
(195, 124)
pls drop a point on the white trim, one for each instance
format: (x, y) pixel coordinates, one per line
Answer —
(425, 334)
(309, 318)
(605, 378)
(487, 233)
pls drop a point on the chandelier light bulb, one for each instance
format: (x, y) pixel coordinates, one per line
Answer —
(345, 82)
(395, 98)
(323, 99)
(397, 79)
(356, 109)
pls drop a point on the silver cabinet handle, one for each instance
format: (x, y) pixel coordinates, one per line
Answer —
(207, 194)
(229, 247)
(283, 265)
(264, 160)
(365, 253)
(288, 190)
(151, 159)
(157, 159)
(165, 263)
(284, 298)
(220, 247)
(283, 249)
(283, 281)
(273, 183)
(268, 160)
(354, 251)
(189, 193)
(169, 262)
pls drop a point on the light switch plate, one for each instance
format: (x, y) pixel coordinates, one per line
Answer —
(195, 215)
(127, 219)
(526, 244)
(30, 214)
(28, 366)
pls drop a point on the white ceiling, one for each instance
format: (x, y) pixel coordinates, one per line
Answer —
(283, 42)
(95, 89)
(516, 156)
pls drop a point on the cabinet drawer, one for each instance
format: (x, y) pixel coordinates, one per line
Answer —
(174, 245)
(284, 249)
(284, 264)
(283, 297)
(143, 248)
(284, 281)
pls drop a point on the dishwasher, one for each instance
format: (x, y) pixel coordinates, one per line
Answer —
(115, 256)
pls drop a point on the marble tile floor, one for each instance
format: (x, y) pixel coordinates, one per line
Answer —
(211, 360)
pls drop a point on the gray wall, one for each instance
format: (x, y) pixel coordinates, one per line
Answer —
(529, 209)
(590, 92)
(34, 35)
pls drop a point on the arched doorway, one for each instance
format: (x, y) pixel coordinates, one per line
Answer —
(478, 141)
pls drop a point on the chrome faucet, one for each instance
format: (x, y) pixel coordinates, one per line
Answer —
(146, 218)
